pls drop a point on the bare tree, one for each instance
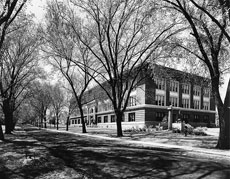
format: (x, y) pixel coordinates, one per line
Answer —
(67, 55)
(209, 45)
(57, 101)
(121, 35)
(18, 68)
(41, 101)
(9, 12)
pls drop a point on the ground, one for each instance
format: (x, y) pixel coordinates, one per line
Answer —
(50, 154)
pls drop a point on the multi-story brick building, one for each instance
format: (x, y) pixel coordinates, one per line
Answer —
(189, 95)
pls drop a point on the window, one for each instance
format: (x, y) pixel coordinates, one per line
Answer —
(185, 88)
(196, 104)
(113, 118)
(75, 121)
(196, 91)
(173, 101)
(206, 118)
(132, 101)
(160, 116)
(99, 119)
(72, 121)
(174, 86)
(185, 103)
(160, 100)
(105, 119)
(131, 117)
(91, 110)
(206, 92)
(160, 83)
(186, 117)
(79, 121)
(206, 105)
(197, 118)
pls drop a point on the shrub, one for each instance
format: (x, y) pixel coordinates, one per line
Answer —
(177, 128)
(189, 128)
(200, 131)
(159, 127)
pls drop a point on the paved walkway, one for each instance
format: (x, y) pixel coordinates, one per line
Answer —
(216, 152)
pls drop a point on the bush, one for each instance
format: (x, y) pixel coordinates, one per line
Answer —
(159, 127)
(177, 128)
(200, 131)
(189, 128)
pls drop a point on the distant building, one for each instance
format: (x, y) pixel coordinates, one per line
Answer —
(189, 95)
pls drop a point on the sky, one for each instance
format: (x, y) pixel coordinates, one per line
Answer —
(37, 7)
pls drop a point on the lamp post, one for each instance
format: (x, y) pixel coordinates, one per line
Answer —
(170, 109)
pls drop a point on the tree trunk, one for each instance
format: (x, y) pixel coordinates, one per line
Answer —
(67, 124)
(8, 122)
(82, 120)
(224, 135)
(1, 133)
(8, 113)
(57, 122)
(118, 122)
(41, 124)
(224, 123)
(13, 125)
(45, 121)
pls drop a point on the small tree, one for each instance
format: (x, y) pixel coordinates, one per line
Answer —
(57, 102)
(41, 100)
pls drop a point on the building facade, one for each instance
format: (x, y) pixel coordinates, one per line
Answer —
(188, 95)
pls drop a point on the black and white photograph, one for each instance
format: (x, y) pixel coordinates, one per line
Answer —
(115, 89)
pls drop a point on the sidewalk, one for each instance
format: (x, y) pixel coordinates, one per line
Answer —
(150, 143)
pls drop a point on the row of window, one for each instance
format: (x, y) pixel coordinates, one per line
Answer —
(160, 101)
(132, 101)
(160, 116)
(174, 87)
(131, 117)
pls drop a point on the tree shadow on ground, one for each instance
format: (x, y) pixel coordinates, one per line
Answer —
(14, 162)
(97, 158)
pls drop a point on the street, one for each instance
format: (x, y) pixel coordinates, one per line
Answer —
(97, 158)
